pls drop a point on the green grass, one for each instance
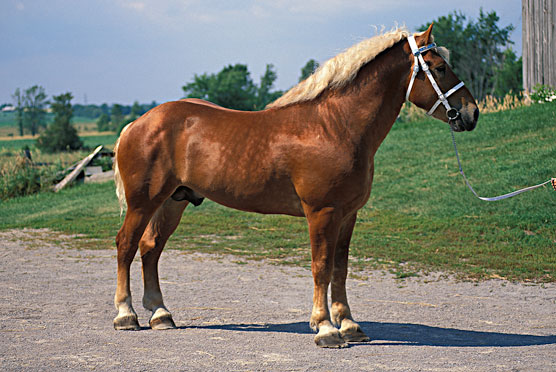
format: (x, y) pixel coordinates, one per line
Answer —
(8, 119)
(16, 144)
(420, 216)
(89, 141)
(8, 126)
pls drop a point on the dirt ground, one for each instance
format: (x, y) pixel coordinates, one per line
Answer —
(56, 314)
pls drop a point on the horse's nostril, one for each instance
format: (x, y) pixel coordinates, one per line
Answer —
(476, 115)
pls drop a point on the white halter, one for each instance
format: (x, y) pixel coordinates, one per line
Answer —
(451, 112)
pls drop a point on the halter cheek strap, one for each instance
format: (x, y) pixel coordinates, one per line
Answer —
(451, 112)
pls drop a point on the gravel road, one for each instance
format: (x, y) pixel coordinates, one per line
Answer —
(56, 314)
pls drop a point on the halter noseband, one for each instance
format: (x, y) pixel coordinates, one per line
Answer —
(451, 112)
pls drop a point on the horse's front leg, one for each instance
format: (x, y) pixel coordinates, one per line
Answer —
(341, 313)
(324, 225)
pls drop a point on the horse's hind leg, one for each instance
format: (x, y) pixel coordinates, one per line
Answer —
(127, 241)
(162, 225)
(341, 314)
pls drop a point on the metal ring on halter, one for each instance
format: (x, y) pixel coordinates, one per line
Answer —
(452, 114)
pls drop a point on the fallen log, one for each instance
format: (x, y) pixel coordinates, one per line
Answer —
(73, 175)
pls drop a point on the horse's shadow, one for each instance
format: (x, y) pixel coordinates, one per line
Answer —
(406, 334)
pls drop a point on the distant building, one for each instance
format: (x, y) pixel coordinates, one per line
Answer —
(8, 108)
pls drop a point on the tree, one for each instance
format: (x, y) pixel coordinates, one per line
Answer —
(60, 135)
(136, 110)
(34, 108)
(476, 48)
(103, 123)
(105, 108)
(509, 76)
(117, 117)
(19, 101)
(264, 93)
(233, 87)
(308, 69)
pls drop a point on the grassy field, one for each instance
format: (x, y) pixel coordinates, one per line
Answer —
(8, 127)
(90, 140)
(420, 217)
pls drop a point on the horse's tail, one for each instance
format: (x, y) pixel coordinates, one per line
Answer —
(120, 192)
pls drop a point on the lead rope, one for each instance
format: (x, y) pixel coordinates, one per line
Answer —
(496, 198)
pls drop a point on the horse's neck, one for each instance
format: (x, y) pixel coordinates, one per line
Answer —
(372, 102)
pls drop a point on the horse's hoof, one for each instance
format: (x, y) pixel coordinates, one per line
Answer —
(162, 322)
(354, 334)
(330, 339)
(126, 323)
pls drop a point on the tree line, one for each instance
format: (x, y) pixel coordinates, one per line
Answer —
(233, 87)
(31, 107)
(481, 55)
(30, 113)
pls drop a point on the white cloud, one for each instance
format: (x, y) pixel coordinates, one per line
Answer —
(135, 5)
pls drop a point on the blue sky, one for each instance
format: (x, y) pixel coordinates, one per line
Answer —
(119, 51)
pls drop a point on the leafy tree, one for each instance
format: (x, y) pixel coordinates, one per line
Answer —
(103, 123)
(308, 69)
(88, 111)
(264, 93)
(117, 116)
(60, 135)
(201, 87)
(136, 110)
(19, 99)
(476, 48)
(105, 108)
(509, 76)
(34, 108)
(233, 87)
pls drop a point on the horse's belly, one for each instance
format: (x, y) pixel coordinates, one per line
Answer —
(244, 178)
(268, 201)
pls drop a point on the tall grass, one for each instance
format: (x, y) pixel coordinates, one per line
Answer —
(20, 177)
(508, 102)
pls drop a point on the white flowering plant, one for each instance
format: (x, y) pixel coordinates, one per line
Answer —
(543, 93)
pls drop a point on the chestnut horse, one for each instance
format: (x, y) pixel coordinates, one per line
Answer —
(309, 154)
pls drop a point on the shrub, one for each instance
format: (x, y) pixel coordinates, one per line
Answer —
(543, 93)
(21, 178)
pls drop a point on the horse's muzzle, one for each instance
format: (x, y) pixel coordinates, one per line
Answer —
(465, 119)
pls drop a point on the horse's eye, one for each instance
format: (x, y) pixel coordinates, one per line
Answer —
(441, 69)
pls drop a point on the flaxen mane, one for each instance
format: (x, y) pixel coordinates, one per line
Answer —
(340, 70)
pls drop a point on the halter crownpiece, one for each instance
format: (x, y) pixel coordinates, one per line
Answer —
(419, 62)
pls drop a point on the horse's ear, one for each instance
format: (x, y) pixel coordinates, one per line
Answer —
(426, 35)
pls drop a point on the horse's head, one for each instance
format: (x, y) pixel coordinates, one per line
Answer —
(450, 101)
